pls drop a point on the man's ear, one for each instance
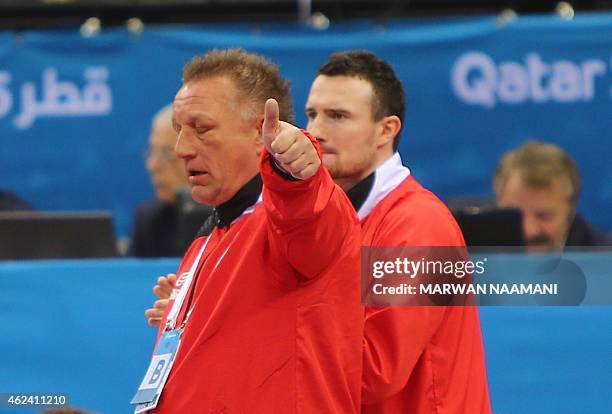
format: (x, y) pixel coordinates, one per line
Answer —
(259, 145)
(389, 128)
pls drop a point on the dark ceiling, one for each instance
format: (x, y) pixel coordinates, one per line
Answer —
(22, 14)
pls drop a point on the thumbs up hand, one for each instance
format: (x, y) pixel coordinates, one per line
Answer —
(291, 149)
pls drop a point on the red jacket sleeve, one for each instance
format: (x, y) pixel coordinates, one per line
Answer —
(308, 220)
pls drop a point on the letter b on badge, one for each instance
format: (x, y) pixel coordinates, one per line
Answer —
(155, 373)
(159, 369)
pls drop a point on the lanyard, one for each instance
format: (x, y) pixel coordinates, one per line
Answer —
(187, 278)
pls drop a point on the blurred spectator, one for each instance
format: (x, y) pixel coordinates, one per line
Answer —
(542, 181)
(10, 202)
(166, 225)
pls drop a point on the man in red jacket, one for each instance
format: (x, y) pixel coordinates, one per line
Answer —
(417, 360)
(267, 307)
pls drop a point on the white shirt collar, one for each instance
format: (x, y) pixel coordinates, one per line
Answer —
(386, 178)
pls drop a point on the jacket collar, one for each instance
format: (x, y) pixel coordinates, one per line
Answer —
(224, 214)
(387, 177)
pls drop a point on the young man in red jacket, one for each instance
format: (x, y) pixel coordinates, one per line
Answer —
(267, 307)
(417, 360)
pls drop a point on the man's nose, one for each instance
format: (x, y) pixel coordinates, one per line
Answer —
(184, 147)
(151, 163)
(315, 129)
(531, 226)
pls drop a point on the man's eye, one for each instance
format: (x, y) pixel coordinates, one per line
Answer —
(311, 115)
(545, 216)
(201, 129)
(337, 116)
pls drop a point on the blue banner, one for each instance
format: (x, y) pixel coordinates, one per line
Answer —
(75, 112)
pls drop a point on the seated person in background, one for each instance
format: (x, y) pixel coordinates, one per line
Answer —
(166, 225)
(10, 202)
(542, 181)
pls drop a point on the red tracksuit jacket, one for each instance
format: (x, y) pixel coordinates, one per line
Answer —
(277, 324)
(420, 360)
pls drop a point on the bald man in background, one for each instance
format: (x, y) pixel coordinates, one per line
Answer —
(165, 225)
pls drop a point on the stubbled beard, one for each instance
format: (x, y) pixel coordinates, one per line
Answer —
(341, 170)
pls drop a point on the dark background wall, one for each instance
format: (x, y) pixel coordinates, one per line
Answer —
(54, 13)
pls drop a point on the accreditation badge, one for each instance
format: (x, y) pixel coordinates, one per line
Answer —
(155, 378)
